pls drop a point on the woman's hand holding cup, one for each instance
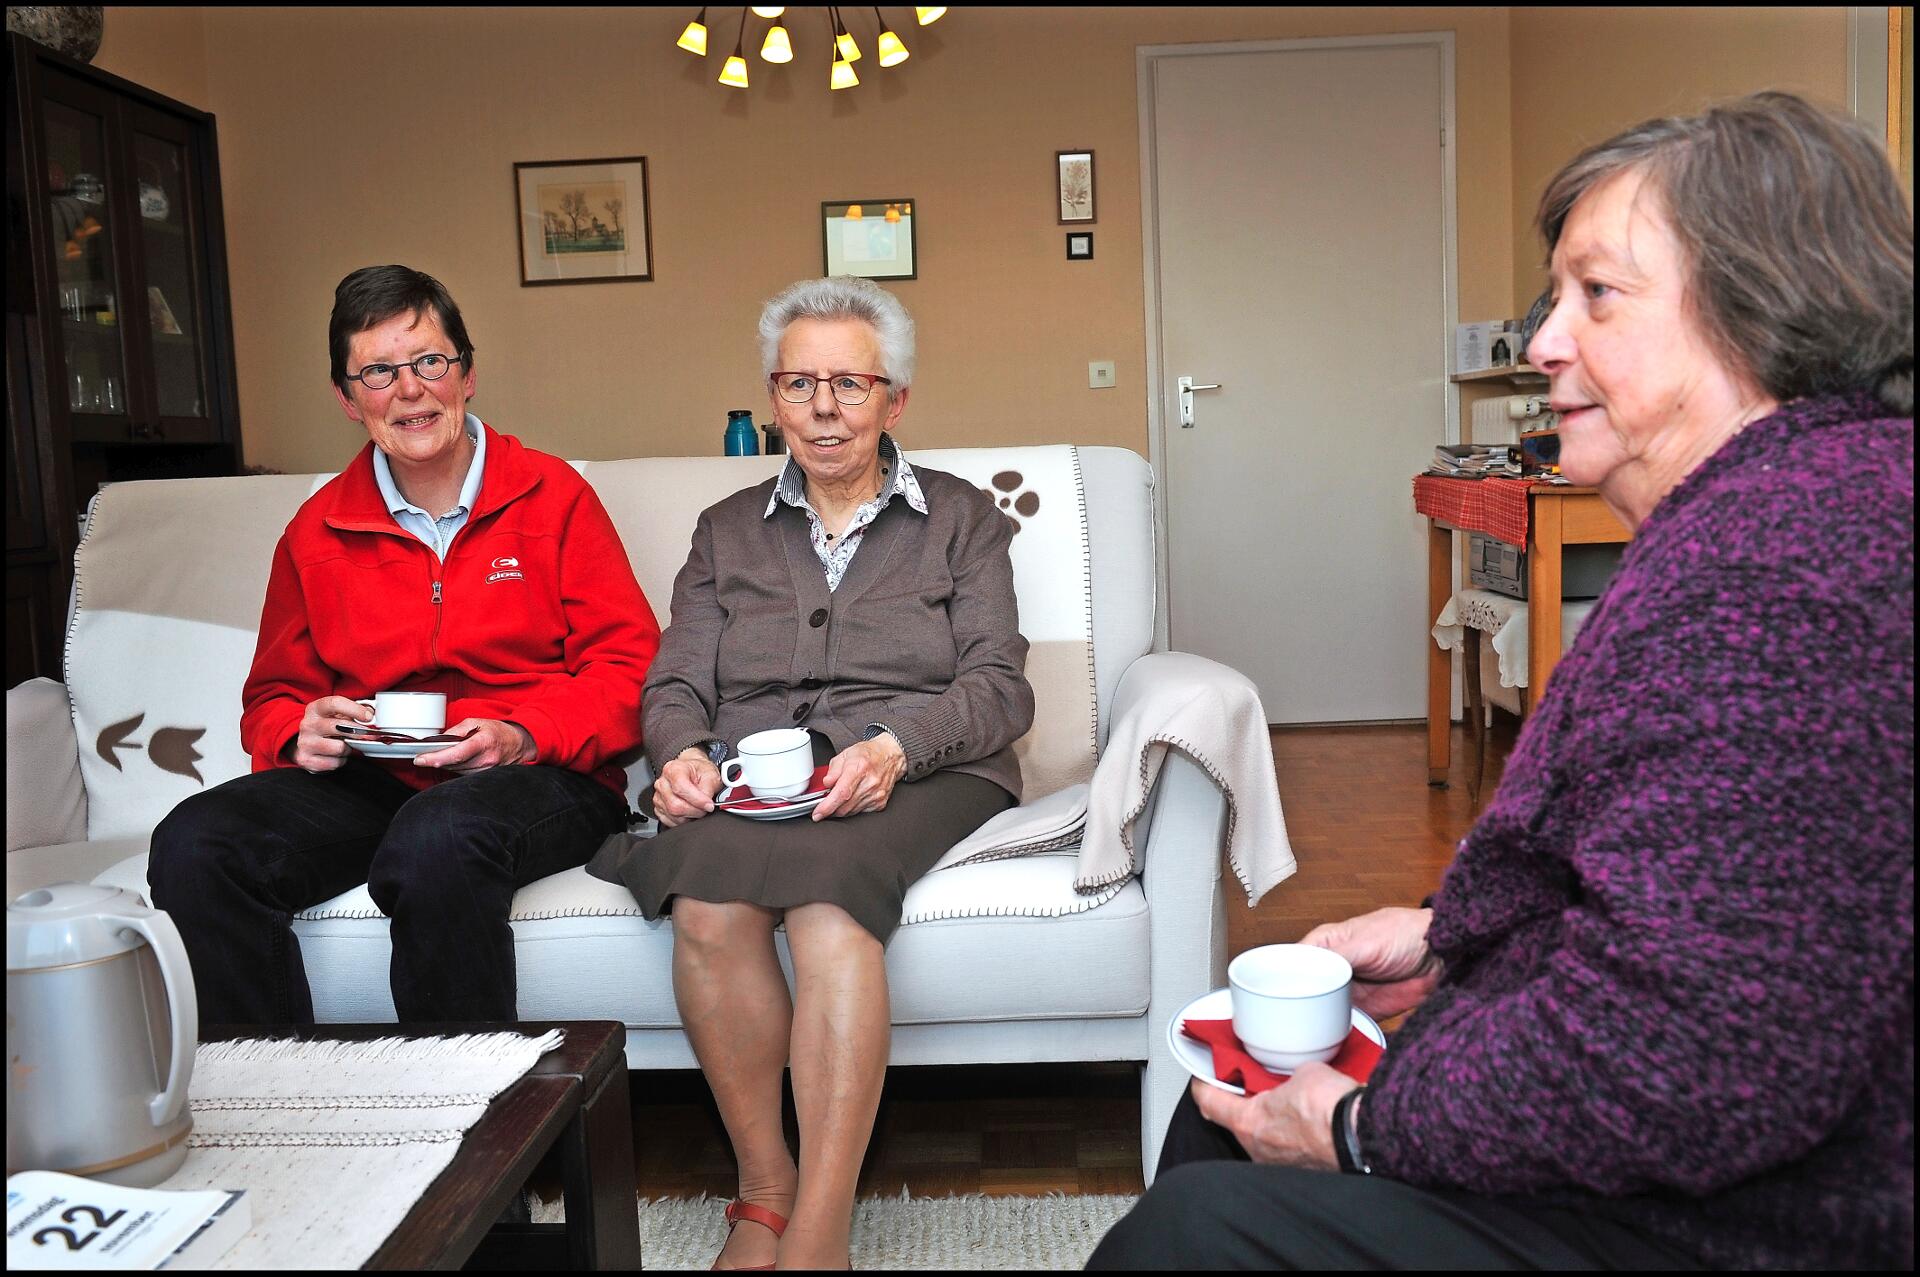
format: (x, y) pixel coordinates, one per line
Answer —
(1393, 968)
(685, 788)
(319, 748)
(861, 777)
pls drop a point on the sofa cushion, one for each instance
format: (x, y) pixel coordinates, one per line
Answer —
(168, 584)
(578, 942)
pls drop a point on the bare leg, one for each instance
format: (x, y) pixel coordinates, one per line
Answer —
(733, 1000)
(841, 1028)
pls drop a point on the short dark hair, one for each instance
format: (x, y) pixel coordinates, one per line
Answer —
(1797, 236)
(374, 294)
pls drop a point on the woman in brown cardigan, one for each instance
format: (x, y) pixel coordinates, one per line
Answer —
(872, 603)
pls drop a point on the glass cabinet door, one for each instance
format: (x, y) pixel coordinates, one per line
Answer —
(172, 273)
(86, 264)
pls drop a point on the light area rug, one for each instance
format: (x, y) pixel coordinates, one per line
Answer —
(975, 1232)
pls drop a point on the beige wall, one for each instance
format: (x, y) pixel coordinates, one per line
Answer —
(1581, 75)
(161, 47)
(340, 149)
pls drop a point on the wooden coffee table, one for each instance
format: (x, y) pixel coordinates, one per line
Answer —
(573, 1099)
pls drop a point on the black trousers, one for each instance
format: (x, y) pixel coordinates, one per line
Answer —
(232, 866)
(1211, 1207)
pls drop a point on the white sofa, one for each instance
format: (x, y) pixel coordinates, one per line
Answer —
(996, 962)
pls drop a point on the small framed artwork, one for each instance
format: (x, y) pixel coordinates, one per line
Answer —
(583, 221)
(1074, 178)
(1079, 246)
(869, 238)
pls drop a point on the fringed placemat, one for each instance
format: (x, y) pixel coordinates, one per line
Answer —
(335, 1141)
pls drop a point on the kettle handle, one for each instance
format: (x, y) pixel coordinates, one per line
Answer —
(177, 974)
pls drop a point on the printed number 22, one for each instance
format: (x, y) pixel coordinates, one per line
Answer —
(73, 1240)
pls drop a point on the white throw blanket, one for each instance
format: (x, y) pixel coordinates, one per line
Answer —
(335, 1141)
(1210, 713)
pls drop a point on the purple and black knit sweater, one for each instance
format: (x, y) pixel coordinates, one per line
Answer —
(1679, 942)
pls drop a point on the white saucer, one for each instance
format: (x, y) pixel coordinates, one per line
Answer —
(396, 749)
(786, 811)
(1197, 1057)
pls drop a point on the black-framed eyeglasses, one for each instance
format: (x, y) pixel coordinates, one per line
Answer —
(426, 368)
(850, 388)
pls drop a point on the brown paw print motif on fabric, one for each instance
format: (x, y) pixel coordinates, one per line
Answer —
(170, 748)
(1011, 500)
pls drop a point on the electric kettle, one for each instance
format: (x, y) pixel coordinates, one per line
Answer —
(101, 1029)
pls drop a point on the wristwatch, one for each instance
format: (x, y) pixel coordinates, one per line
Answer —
(1346, 1133)
(717, 752)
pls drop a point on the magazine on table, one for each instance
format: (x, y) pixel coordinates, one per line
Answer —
(65, 1221)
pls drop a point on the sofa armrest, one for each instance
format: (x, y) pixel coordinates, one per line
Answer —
(46, 803)
(1182, 850)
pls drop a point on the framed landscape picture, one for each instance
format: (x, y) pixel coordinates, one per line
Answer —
(583, 221)
(869, 238)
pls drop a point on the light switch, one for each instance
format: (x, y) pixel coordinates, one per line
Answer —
(1100, 374)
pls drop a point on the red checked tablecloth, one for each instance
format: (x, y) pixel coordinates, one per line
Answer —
(1497, 507)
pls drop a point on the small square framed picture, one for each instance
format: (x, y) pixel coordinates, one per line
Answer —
(1079, 246)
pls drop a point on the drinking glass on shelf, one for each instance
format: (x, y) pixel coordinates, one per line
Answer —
(77, 392)
(110, 398)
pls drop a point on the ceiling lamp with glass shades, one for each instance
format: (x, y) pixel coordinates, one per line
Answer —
(776, 45)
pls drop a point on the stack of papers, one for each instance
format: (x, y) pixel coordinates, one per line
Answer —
(1476, 461)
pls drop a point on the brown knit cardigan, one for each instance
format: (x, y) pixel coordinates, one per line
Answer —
(922, 637)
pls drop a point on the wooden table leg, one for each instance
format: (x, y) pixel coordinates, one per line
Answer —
(1543, 598)
(603, 1229)
(1439, 661)
(1476, 715)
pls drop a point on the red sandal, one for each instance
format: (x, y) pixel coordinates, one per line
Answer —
(739, 1210)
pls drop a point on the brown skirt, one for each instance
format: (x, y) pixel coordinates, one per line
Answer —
(862, 863)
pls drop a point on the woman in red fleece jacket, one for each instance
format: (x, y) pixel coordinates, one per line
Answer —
(446, 558)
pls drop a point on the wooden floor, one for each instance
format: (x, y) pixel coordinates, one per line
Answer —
(1366, 830)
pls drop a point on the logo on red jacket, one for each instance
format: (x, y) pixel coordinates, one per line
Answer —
(506, 568)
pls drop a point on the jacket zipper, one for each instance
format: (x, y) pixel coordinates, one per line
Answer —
(433, 648)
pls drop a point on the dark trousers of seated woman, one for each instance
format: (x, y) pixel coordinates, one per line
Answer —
(1211, 1207)
(232, 866)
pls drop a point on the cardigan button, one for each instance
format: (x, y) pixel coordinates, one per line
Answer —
(818, 619)
(801, 712)
(810, 683)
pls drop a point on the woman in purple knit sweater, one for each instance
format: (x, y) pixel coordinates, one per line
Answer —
(1665, 992)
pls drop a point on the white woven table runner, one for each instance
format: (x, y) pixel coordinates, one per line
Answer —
(335, 1141)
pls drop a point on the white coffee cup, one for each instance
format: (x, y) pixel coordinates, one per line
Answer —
(775, 764)
(1292, 1003)
(408, 711)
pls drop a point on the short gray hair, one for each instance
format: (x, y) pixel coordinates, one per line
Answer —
(843, 297)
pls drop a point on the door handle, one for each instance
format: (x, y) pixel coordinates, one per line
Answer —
(1186, 399)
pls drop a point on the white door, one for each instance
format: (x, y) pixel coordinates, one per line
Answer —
(1298, 257)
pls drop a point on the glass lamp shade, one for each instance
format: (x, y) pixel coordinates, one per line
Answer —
(694, 38)
(735, 72)
(767, 10)
(849, 50)
(844, 78)
(892, 52)
(928, 14)
(893, 212)
(776, 47)
(854, 212)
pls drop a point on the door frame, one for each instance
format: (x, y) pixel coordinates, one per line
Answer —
(1145, 58)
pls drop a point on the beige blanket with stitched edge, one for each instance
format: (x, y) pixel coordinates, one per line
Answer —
(1207, 711)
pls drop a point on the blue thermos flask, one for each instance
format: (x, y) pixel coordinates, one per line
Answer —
(742, 439)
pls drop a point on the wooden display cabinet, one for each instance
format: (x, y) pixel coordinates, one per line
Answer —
(119, 332)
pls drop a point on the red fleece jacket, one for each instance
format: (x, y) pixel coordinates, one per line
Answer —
(534, 617)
